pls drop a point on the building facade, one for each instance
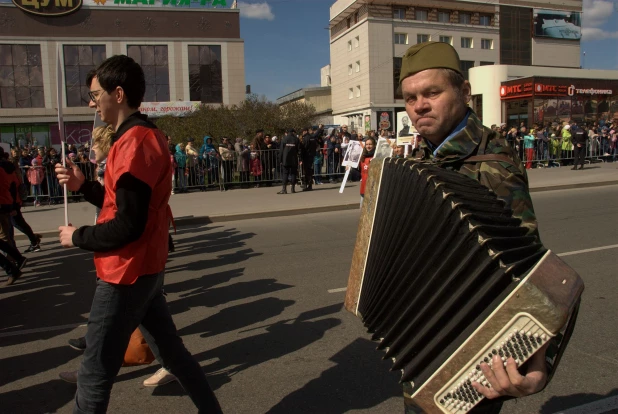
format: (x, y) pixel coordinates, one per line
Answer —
(368, 39)
(191, 54)
(532, 94)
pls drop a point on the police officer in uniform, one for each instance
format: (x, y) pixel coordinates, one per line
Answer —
(288, 158)
(309, 145)
(579, 137)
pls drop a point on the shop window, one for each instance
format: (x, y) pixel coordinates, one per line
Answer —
(487, 44)
(154, 62)
(205, 77)
(465, 66)
(422, 15)
(466, 42)
(21, 76)
(401, 39)
(399, 13)
(396, 72)
(446, 39)
(78, 61)
(444, 17)
(422, 38)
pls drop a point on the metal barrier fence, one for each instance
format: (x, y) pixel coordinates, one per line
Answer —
(261, 168)
(555, 154)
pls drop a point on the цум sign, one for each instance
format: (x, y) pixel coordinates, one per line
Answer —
(49, 7)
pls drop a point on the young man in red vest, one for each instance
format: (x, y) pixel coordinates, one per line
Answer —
(129, 243)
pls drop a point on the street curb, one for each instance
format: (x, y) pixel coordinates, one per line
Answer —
(572, 186)
(201, 220)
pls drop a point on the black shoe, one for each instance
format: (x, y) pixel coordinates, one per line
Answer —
(78, 344)
(33, 248)
(574, 168)
(293, 190)
(12, 278)
(581, 168)
(308, 189)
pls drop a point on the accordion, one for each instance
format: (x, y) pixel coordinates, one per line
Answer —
(444, 277)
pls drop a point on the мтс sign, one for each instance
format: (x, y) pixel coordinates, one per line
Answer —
(49, 7)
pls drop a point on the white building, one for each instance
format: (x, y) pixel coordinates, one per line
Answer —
(367, 41)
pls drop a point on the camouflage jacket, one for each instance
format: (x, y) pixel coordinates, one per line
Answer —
(508, 181)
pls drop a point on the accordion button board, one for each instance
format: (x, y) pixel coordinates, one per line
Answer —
(520, 339)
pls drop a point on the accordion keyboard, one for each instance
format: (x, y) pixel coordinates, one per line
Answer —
(520, 339)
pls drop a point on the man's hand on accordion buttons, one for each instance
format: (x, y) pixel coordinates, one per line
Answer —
(507, 381)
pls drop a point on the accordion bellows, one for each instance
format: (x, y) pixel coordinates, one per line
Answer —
(444, 277)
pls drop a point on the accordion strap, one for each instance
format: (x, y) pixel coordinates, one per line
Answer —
(491, 157)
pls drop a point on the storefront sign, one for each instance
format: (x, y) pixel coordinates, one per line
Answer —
(158, 3)
(49, 7)
(519, 90)
(572, 90)
(158, 109)
(555, 87)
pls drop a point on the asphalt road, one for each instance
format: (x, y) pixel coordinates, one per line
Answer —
(251, 300)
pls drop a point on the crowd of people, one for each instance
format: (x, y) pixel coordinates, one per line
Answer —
(554, 144)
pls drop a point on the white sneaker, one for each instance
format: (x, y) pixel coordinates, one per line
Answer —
(161, 377)
(70, 377)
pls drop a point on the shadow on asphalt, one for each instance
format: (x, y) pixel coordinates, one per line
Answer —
(556, 404)
(358, 381)
(47, 397)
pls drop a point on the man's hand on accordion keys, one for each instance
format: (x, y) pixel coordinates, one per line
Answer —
(507, 381)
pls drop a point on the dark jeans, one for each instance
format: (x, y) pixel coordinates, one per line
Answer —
(116, 311)
(287, 171)
(308, 171)
(20, 224)
(5, 263)
(580, 155)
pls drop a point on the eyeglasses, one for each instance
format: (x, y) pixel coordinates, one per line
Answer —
(94, 97)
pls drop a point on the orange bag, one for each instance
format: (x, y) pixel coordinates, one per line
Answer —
(138, 351)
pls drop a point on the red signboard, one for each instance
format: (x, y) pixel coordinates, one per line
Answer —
(517, 90)
(557, 87)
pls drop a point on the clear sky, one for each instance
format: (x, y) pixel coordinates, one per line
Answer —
(287, 42)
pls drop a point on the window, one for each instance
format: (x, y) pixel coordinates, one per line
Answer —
(78, 61)
(350, 93)
(422, 38)
(487, 63)
(515, 36)
(396, 72)
(356, 41)
(401, 39)
(357, 66)
(399, 13)
(349, 45)
(465, 66)
(487, 44)
(446, 39)
(355, 17)
(421, 15)
(21, 77)
(153, 60)
(358, 92)
(349, 70)
(466, 42)
(465, 18)
(444, 17)
(205, 78)
(349, 22)
(485, 20)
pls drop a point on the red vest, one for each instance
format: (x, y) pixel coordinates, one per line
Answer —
(364, 169)
(143, 153)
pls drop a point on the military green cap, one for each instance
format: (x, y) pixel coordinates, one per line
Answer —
(429, 55)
